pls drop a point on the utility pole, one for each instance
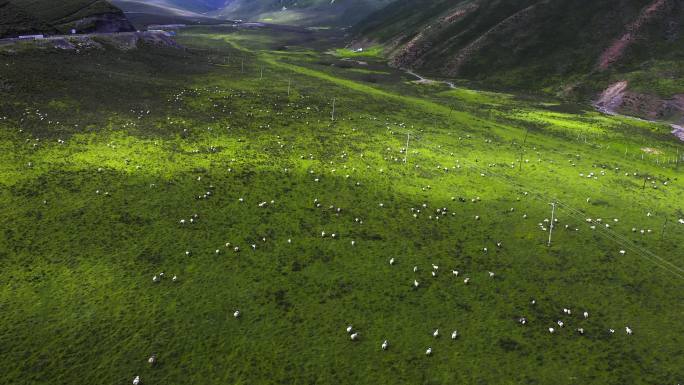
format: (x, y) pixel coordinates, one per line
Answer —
(289, 83)
(333, 110)
(677, 162)
(242, 68)
(408, 138)
(262, 73)
(522, 148)
(553, 213)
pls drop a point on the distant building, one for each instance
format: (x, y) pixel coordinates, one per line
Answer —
(73, 31)
(31, 37)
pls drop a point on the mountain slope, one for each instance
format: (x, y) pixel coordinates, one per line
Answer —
(45, 16)
(145, 12)
(308, 12)
(567, 47)
(301, 12)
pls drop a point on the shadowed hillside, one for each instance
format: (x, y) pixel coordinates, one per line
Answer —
(42, 16)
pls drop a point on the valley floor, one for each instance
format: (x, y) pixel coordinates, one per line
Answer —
(277, 176)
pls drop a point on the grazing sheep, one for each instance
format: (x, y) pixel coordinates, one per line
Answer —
(435, 333)
(586, 314)
(454, 334)
(415, 283)
(522, 320)
(350, 329)
(174, 279)
(155, 279)
(415, 269)
(491, 274)
(391, 261)
(152, 360)
(354, 336)
(552, 330)
(136, 380)
(466, 280)
(454, 272)
(384, 345)
(428, 352)
(628, 330)
(236, 314)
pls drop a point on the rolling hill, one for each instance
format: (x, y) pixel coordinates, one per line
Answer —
(41, 16)
(568, 48)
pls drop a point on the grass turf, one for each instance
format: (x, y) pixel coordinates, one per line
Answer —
(154, 130)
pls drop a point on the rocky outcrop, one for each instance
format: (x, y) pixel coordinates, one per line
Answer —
(618, 99)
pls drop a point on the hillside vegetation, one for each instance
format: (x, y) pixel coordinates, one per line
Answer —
(43, 16)
(571, 48)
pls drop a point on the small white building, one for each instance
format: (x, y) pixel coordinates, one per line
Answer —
(31, 37)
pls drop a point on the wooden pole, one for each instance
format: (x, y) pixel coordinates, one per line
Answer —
(522, 148)
(553, 212)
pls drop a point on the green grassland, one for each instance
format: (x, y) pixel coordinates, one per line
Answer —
(101, 159)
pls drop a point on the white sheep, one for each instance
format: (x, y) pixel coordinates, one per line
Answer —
(428, 352)
(435, 333)
(350, 329)
(628, 330)
(136, 380)
(391, 261)
(586, 314)
(236, 314)
(354, 336)
(384, 345)
(454, 334)
(415, 283)
(155, 279)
